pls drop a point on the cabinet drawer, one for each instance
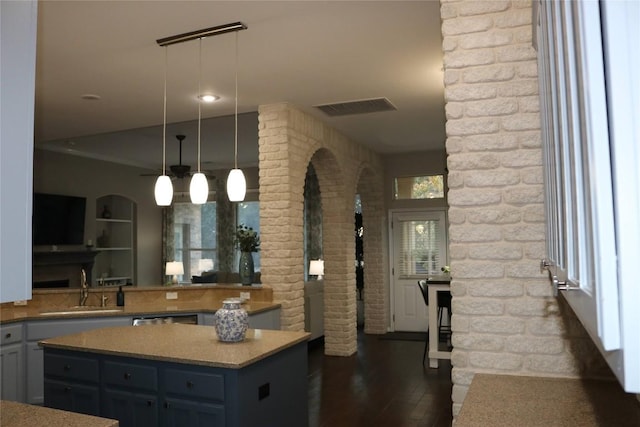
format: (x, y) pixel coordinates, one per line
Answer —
(10, 334)
(194, 384)
(130, 375)
(71, 367)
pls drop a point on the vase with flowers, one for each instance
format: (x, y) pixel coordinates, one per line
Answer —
(248, 241)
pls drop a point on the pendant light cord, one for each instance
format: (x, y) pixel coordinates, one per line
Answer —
(164, 114)
(236, 114)
(199, 94)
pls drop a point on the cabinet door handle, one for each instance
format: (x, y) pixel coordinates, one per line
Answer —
(166, 404)
(8, 335)
(189, 384)
(66, 368)
(149, 403)
(127, 376)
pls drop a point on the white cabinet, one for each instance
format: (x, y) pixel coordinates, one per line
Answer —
(265, 320)
(17, 79)
(11, 363)
(115, 240)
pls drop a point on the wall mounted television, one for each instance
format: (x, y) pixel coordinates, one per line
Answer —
(58, 219)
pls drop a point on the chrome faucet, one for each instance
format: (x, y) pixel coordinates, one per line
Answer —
(84, 290)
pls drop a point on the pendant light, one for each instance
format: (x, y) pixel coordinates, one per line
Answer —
(199, 187)
(164, 188)
(236, 183)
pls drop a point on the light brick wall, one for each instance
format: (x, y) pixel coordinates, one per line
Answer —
(288, 141)
(505, 319)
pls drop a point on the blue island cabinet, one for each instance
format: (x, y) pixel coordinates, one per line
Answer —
(144, 392)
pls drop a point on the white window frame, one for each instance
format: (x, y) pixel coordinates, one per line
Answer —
(590, 102)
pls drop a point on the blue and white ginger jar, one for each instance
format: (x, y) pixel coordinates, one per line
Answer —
(232, 321)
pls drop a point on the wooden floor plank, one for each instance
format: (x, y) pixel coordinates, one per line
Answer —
(384, 384)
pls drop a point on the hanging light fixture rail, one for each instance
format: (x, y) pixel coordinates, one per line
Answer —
(205, 32)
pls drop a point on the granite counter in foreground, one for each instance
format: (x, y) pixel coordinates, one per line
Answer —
(13, 414)
(189, 344)
(507, 401)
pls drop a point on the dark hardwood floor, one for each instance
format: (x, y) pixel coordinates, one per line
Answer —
(384, 384)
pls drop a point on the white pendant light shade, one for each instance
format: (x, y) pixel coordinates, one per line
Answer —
(164, 191)
(236, 185)
(199, 189)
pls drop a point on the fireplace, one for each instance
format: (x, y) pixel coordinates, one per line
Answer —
(61, 269)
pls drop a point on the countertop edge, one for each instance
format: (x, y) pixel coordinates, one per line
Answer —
(192, 360)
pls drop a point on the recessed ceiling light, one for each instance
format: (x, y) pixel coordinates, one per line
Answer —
(90, 97)
(208, 98)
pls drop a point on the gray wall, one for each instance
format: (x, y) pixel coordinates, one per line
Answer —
(72, 175)
(78, 176)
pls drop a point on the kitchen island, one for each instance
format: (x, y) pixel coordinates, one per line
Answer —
(176, 375)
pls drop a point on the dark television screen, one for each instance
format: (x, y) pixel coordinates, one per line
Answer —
(58, 220)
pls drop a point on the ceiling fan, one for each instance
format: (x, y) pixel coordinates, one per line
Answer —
(181, 171)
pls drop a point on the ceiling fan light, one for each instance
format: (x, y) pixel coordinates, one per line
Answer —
(199, 189)
(163, 191)
(236, 185)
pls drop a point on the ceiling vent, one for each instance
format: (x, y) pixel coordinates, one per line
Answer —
(357, 107)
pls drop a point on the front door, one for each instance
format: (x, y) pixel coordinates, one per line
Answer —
(419, 250)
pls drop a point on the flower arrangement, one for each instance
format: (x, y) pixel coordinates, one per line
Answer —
(446, 269)
(247, 239)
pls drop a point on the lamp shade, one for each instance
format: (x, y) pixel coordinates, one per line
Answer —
(174, 268)
(316, 268)
(163, 191)
(199, 189)
(236, 185)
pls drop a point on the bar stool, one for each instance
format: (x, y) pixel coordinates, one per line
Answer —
(443, 301)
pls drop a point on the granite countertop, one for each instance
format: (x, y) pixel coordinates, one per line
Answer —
(138, 302)
(190, 344)
(504, 400)
(167, 307)
(13, 414)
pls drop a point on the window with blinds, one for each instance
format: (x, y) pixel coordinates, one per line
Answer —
(421, 244)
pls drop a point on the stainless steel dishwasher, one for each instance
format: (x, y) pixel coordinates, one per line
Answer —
(189, 319)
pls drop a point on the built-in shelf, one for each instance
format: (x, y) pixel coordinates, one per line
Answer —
(128, 221)
(114, 249)
(115, 239)
(114, 281)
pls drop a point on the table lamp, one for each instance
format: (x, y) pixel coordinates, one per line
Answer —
(316, 268)
(174, 268)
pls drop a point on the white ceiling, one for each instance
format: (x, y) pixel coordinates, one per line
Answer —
(304, 52)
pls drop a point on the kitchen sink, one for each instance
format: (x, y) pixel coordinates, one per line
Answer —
(81, 310)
